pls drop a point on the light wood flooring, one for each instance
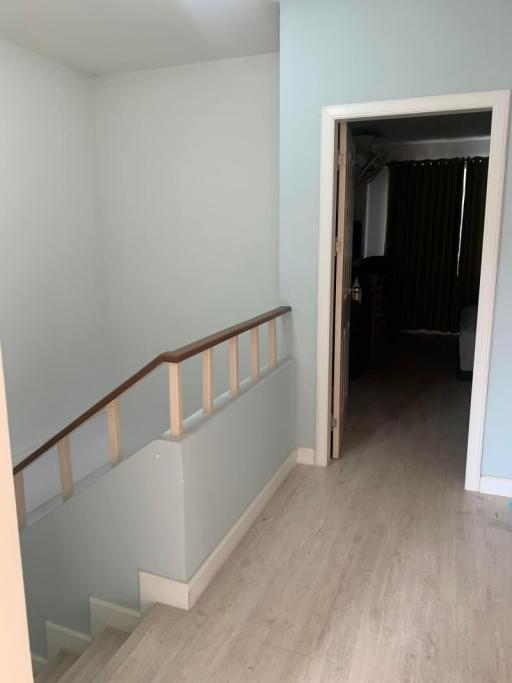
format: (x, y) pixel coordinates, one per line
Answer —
(379, 568)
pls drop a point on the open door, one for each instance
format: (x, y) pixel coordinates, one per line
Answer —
(342, 284)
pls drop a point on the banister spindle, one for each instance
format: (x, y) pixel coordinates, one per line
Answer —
(21, 507)
(208, 381)
(272, 344)
(65, 469)
(173, 359)
(255, 354)
(234, 378)
(176, 399)
(114, 433)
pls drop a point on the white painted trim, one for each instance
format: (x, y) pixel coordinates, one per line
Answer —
(305, 456)
(487, 293)
(62, 638)
(154, 588)
(496, 486)
(498, 102)
(184, 595)
(38, 663)
(105, 614)
(325, 288)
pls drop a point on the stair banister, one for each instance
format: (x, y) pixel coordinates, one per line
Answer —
(173, 359)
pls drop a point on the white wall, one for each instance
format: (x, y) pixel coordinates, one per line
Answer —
(377, 197)
(188, 182)
(139, 212)
(52, 298)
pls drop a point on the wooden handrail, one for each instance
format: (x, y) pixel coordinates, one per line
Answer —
(177, 356)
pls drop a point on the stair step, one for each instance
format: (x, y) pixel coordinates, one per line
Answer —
(56, 667)
(91, 662)
(161, 635)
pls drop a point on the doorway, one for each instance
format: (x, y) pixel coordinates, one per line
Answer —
(406, 114)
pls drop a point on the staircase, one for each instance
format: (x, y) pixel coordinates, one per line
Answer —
(158, 523)
(117, 656)
(67, 667)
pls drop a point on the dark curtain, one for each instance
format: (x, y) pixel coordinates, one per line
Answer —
(472, 230)
(422, 243)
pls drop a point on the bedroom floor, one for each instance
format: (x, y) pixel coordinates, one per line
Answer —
(377, 569)
(413, 387)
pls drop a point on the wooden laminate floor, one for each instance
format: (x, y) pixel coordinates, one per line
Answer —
(379, 568)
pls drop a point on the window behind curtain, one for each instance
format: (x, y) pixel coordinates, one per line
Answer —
(434, 240)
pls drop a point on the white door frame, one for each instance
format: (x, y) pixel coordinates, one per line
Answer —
(498, 102)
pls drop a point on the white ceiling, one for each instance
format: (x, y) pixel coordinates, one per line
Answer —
(108, 36)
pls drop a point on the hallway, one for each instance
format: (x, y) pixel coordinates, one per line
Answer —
(379, 568)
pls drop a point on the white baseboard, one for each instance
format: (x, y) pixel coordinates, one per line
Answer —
(154, 588)
(61, 638)
(496, 486)
(183, 595)
(223, 550)
(305, 456)
(105, 614)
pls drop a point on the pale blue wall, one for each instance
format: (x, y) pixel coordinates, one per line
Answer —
(340, 51)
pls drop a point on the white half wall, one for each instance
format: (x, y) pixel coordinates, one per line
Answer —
(162, 510)
(230, 458)
(95, 543)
